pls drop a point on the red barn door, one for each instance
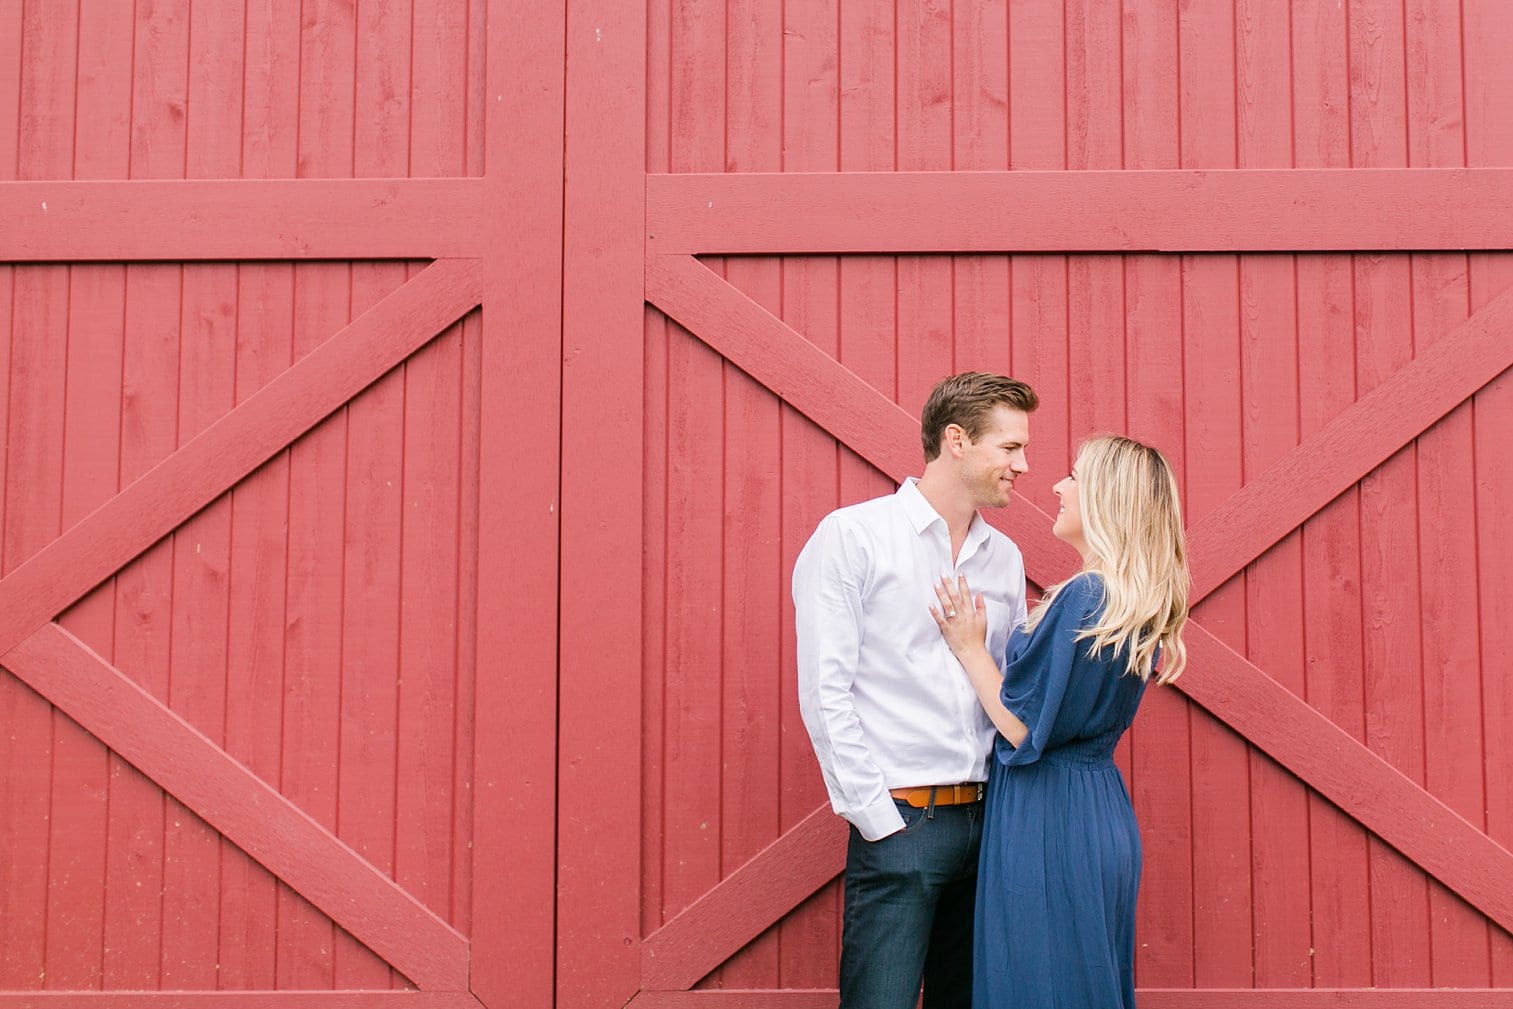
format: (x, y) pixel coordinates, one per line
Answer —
(279, 524)
(1235, 230)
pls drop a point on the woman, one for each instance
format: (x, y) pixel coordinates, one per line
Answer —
(1060, 862)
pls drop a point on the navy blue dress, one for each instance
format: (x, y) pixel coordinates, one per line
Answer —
(1060, 862)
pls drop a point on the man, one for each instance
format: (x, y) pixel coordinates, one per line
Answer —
(901, 739)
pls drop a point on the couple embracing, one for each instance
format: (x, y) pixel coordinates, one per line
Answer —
(994, 855)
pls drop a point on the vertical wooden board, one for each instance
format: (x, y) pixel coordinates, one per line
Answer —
(516, 893)
(1450, 665)
(61, 768)
(602, 315)
(198, 629)
(927, 349)
(867, 292)
(1213, 435)
(1160, 741)
(753, 586)
(255, 620)
(33, 506)
(256, 643)
(656, 460)
(811, 126)
(430, 539)
(440, 69)
(1488, 88)
(11, 48)
(143, 624)
(76, 876)
(755, 581)
(1269, 426)
(371, 608)
(370, 622)
(315, 589)
(692, 744)
(312, 622)
(691, 855)
(1340, 922)
(465, 718)
(1389, 572)
(192, 851)
(654, 530)
(980, 95)
(1039, 284)
(1096, 347)
(271, 90)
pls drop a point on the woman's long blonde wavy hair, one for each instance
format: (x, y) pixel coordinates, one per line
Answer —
(1133, 524)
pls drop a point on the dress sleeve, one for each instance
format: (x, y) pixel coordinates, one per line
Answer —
(1036, 680)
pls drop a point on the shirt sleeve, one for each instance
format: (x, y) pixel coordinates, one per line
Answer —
(1036, 680)
(828, 580)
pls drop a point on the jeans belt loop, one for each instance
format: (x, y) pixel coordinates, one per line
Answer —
(930, 811)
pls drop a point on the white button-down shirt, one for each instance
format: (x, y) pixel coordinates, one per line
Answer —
(885, 702)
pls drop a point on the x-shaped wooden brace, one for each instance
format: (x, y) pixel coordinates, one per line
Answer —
(1222, 681)
(144, 731)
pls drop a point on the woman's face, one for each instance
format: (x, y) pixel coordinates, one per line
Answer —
(1068, 526)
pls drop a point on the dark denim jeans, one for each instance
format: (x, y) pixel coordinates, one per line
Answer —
(908, 916)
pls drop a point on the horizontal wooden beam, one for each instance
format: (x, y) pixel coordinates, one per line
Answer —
(236, 1000)
(745, 903)
(1149, 998)
(161, 499)
(249, 812)
(1233, 210)
(240, 219)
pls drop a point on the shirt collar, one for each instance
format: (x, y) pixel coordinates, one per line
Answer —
(922, 514)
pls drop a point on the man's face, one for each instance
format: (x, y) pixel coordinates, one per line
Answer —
(991, 463)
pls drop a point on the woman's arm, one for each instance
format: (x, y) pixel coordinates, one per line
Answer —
(966, 633)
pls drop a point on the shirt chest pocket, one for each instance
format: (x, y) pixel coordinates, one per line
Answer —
(1000, 623)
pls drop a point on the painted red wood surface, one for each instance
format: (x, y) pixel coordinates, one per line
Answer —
(242, 510)
(454, 650)
(1313, 818)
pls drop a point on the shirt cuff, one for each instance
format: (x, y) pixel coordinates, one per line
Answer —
(878, 820)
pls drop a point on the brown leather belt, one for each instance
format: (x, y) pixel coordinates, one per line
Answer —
(943, 795)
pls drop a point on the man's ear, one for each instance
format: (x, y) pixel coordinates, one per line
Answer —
(953, 440)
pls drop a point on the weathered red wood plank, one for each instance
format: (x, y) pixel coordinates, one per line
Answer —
(514, 789)
(33, 498)
(436, 539)
(247, 810)
(751, 647)
(1356, 441)
(598, 911)
(745, 903)
(1487, 80)
(256, 632)
(152, 506)
(198, 624)
(809, 124)
(310, 772)
(240, 219)
(1273, 584)
(199, 627)
(692, 753)
(1161, 783)
(213, 999)
(1155, 998)
(1156, 210)
(1212, 435)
